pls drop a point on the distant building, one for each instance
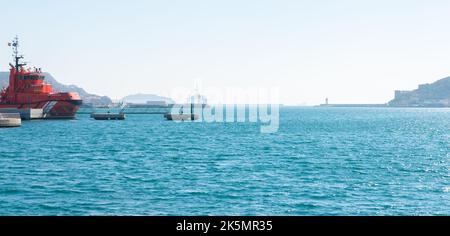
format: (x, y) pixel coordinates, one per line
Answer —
(156, 103)
(401, 93)
(436, 94)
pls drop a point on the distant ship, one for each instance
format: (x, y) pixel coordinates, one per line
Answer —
(27, 90)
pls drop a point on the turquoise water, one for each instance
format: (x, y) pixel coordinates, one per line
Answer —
(323, 161)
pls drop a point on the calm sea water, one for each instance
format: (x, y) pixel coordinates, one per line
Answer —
(323, 161)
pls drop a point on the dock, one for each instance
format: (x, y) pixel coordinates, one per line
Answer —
(10, 120)
(25, 113)
(129, 111)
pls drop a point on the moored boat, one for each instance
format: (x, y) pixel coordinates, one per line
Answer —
(108, 116)
(27, 90)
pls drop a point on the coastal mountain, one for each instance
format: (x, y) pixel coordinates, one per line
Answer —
(88, 99)
(436, 94)
(145, 98)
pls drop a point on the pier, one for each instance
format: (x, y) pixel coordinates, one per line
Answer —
(24, 113)
(353, 105)
(10, 120)
(133, 111)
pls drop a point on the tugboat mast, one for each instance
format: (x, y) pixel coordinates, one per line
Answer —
(17, 57)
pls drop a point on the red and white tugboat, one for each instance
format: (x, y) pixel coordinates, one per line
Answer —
(27, 90)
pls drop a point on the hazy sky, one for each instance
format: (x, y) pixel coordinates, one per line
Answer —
(351, 51)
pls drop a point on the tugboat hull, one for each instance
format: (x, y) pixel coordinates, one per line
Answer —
(50, 109)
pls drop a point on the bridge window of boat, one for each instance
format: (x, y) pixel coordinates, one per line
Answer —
(32, 77)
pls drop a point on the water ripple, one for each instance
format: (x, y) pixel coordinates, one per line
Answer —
(368, 161)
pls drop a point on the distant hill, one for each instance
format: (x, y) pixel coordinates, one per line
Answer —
(88, 99)
(144, 98)
(436, 94)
